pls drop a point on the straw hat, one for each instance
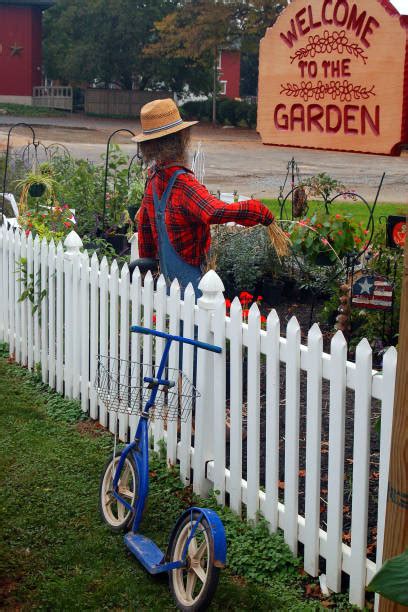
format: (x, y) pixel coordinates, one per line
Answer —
(160, 118)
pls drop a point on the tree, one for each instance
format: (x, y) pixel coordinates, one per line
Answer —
(195, 32)
(261, 15)
(103, 40)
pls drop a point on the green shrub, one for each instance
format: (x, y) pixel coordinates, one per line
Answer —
(229, 112)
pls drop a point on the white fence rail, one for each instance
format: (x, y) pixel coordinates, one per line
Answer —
(308, 414)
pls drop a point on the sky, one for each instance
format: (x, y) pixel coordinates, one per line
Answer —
(401, 6)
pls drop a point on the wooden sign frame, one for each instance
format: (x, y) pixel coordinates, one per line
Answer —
(333, 74)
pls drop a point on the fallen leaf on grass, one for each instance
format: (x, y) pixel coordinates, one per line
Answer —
(312, 590)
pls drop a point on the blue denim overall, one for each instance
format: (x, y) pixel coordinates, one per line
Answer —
(171, 264)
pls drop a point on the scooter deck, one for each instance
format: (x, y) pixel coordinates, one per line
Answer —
(149, 554)
(146, 551)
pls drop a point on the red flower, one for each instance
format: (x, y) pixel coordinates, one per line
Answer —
(27, 232)
(259, 298)
(245, 313)
(340, 233)
(67, 224)
(263, 319)
(245, 296)
(227, 303)
(338, 216)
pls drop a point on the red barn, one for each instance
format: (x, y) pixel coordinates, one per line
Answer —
(20, 48)
(229, 72)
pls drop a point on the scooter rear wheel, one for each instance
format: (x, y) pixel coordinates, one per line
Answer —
(112, 511)
(193, 586)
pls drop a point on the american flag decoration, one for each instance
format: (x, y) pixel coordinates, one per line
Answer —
(371, 291)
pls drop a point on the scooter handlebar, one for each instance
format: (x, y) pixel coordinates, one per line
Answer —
(153, 332)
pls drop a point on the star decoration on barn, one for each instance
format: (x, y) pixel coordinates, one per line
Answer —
(16, 49)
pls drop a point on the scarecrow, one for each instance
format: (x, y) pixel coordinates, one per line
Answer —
(177, 211)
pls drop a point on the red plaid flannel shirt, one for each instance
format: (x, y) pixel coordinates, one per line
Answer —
(190, 211)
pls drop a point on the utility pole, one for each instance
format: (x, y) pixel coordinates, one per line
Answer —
(396, 519)
(215, 88)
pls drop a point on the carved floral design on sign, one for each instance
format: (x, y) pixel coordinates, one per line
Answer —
(332, 42)
(344, 91)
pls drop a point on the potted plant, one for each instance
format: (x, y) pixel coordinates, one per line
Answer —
(325, 239)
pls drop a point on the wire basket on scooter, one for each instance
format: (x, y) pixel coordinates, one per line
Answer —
(121, 387)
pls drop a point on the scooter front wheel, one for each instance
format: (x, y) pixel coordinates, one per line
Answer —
(112, 511)
(194, 585)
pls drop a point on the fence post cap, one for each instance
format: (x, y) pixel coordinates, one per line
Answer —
(72, 244)
(212, 289)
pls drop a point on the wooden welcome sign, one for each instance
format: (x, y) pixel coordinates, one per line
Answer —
(333, 74)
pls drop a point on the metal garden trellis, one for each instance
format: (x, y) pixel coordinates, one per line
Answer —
(107, 167)
(49, 152)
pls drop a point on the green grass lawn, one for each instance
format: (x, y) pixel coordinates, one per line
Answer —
(357, 209)
(55, 552)
(23, 110)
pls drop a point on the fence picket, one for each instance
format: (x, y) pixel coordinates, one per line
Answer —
(235, 384)
(174, 328)
(11, 308)
(272, 420)
(84, 327)
(361, 463)
(94, 335)
(37, 280)
(387, 409)
(68, 330)
(59, 334)
(292, 416)
(313, 449)
(44, 310)
(113, 334)
(148, 288)
(51, 314)
(3, 282)
(17, 295)
(253, 412)
(219, 403)
(124, 343)
(76, 326)
(161, 314)
(135, 343)
(338, 360)
(30, 320)
(103, 325)
(25, 302)
(5, 286)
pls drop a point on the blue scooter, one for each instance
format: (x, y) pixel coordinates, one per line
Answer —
(197, 548)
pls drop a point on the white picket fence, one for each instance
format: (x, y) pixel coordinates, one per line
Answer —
(88, 309)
